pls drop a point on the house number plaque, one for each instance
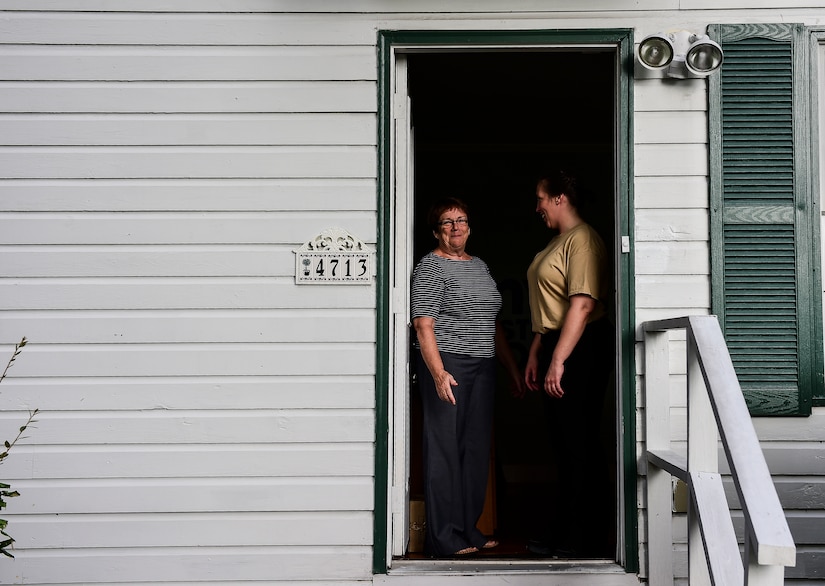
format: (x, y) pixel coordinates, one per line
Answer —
(334, 257)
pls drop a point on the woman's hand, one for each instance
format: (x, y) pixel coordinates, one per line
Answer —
(444, 383)
(575, 320)
(552, 380)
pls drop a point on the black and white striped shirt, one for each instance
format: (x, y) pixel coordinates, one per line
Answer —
(462, 297)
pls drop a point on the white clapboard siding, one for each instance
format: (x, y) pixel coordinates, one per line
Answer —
(671, 192)
(187, 129)
(146, 327)
(672, 225)
(180, 392)
(654, 96)
(676, 292)
(790, 429)
(790, 459)
(195, 228)
(198, 427)
(745, 4)
(671, 159)
(85, 28)
(805, 527)
(788, 491)
(357, 6)
(102, 63)
(184, 162)
(61, 474)
(117, 97)
(177, 293)
(319, 195)
(216, 359)
(793, 458)
(180, 530)
(191, 564)
(809, 432)
(795, 492)
(665, 128)
(146, 261)
(669, 258)
(158, 261)
(119, 494)
(429, 7)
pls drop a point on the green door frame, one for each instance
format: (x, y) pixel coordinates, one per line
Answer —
(622, 40)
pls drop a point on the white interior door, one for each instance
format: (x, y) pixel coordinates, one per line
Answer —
(401, 271)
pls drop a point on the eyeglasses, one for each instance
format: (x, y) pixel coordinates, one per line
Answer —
(457, 222)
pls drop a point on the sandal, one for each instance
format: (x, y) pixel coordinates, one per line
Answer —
(466, 551)
(490, 544)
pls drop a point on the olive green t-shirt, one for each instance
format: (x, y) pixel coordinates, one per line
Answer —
(573, 263)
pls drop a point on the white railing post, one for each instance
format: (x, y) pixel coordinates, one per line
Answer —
(657, 437)
(702, 455)
(757, 574)
(715, 410)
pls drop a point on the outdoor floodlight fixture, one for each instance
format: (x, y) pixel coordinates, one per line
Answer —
(679, 54)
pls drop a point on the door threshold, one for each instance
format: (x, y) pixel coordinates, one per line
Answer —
(463, 567)
(511, 572)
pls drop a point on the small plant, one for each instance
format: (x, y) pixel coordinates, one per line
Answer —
(6, 540)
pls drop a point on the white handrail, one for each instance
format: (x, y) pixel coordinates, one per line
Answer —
(716, 409)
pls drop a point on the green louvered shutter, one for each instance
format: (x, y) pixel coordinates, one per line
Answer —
(761, 218)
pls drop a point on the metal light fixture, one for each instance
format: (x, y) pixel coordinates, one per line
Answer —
(679, 54)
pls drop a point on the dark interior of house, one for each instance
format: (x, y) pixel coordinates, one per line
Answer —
(485, 125)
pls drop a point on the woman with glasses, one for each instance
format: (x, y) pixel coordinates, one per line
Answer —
(454, 305)
(570, 359)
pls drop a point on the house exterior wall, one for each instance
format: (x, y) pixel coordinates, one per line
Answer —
(204, 419)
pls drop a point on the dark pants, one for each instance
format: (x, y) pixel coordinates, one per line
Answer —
(456, 452)
(583, 508)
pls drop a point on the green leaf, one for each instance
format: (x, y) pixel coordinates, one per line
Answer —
(4, 544)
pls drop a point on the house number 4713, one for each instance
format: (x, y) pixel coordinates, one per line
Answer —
(320, 267)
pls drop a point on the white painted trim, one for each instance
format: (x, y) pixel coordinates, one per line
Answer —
(401, 270)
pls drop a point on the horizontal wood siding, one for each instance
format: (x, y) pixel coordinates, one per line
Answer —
(671, 196)
(410, 6)
(203, 418)
(118, 97)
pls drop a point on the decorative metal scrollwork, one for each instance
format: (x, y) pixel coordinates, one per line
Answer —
(334, 240)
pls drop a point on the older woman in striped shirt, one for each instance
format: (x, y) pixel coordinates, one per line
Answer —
(455, 303)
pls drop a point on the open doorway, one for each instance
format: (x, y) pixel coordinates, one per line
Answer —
(485, 123)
